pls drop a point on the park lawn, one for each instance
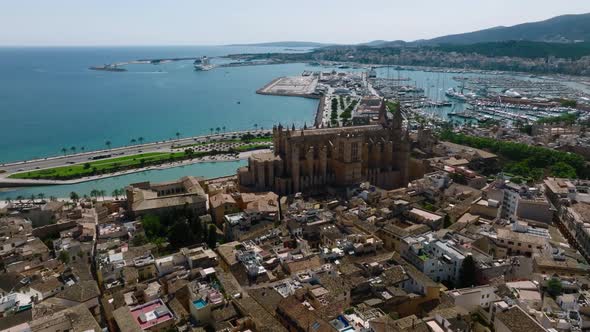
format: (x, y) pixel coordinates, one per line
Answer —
(105, 166)
(254, 140)
(79, 170)
(250, 147)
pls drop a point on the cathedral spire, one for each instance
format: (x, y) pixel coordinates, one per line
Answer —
(397, 119)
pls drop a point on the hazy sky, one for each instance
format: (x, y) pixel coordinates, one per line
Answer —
(194, 22)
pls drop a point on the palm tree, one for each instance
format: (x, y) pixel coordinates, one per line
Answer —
(133, 140)
(94, 193)
(211, 129)
(53, 198)
(64, 150)
(74, 196)
(33, 198)
(82, 148)
(41, 196)
(115, 194)
(102, 193)
(223, 128)
(108, 144)
(255, 126)
(73, 149)
(217, 130)
(177, 135)
(140, 140)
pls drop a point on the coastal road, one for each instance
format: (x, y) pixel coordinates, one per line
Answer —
(80, 158)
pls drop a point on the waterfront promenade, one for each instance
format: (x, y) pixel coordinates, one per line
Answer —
(89, 156)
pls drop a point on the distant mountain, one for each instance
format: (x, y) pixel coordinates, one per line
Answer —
(562, 29)
(285, 44)
(375, 43)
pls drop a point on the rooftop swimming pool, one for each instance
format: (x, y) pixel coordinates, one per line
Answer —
(200, 303)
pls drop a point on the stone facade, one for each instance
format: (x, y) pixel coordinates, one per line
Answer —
(310, 159)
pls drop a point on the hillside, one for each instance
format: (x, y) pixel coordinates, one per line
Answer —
(522, 49)
(566, 28)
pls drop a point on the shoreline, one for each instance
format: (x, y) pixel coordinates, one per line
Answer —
(23, 183)
(190, 139)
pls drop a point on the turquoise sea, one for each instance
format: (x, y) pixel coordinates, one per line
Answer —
(206, 170)
(49, 99)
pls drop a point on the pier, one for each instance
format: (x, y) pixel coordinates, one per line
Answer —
(116, 66)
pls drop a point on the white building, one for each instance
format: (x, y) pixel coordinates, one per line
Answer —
(438, 259)
(474, 297)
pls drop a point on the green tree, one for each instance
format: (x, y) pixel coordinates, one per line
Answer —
(159, 243)
(94, 193)
(64, 150)
(393, 106)
(139, 240)
(116, 193)
(180, 234)
(74, 196)
(334, 105)
(447, 221)
(151, 226)
(177, 135)
(212, 236)
(73, 149)
(197, 229)
(140, 140)
(562, 170)
(133, 141)
(554, 287)
(467, 273)
(64, 257)
(529, 161)
(108, 144)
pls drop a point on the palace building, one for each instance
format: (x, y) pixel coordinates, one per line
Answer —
(311, 159)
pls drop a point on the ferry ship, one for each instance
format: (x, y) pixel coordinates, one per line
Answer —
(453, 94)
(203, 64)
